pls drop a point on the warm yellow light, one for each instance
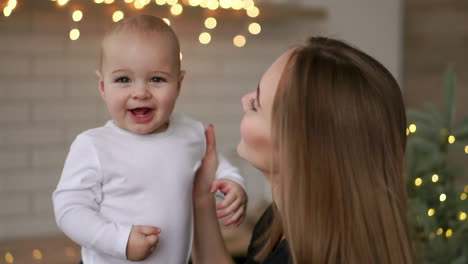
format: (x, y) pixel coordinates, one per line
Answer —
(176, 9)
(77, 15)
(204, 3)
(74, 34)
(160, 2)
(7, 11)
(108, 2)
(168, 22)
(37, 254)
(213, 5)
(462, 216)
(210, 22)
(62, 2)
(435, 178)
(128, 1)
(253, 11)
(407, 131)
(194, 2)
(172, 2)
(463, 196)
(138, 4)
(443, 197)
(466, 188)
(98, 1)
(248, 4)
(180, 56)
(466, 149)
(117, 16)
(412, 128)
(448, 233)
(418, 181)
(225, 4)
(204, 38)
(430, 212)
(440, 231)
(451, 139)
(255, 28)
(9, 258)
(239, 41)
(12, 4)
(236, 4)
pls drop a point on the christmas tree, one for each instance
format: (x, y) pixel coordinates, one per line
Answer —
(437, 198)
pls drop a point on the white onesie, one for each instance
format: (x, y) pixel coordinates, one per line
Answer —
(113, 179)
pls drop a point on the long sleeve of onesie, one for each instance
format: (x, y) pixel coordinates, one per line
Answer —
(76, 203)
(227, 171)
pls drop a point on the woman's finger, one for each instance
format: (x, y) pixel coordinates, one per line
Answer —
(210, 140)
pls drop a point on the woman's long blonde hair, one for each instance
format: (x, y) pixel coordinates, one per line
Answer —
(339, 127)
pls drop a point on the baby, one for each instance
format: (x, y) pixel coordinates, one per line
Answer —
(126, 186)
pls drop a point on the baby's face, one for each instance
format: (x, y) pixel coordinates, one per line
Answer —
(140, 80)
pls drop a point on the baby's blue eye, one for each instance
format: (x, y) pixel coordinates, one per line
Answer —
(123, 80)
(157, 79)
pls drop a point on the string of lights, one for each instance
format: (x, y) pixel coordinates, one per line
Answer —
(434, 179)
(176, 8)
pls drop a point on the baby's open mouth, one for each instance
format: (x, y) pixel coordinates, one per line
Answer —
(142, 114)
(141, 111)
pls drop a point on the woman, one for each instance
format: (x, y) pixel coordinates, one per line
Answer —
(326, 126)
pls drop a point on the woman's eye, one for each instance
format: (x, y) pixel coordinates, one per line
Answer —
(252, 104)
(123, 80)
(157, 79)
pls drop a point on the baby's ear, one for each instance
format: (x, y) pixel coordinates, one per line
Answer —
(182, 75)
(101, 82)
(181, 78)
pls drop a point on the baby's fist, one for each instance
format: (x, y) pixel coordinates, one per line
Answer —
(142, 242)
(234, 203)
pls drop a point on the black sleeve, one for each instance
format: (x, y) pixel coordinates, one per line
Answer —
(262, 224)
(280, 253)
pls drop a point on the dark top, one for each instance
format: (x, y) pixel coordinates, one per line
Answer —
(280, 253)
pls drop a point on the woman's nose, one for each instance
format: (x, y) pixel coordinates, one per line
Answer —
(244, 102)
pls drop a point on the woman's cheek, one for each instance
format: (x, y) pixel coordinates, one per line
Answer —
(255, 144)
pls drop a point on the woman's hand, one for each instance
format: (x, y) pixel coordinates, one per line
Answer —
(208, 244)
(206, 173)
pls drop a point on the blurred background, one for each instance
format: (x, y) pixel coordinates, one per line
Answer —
(49, 51)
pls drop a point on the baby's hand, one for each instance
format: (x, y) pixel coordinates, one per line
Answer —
(234, 203)
(142, 242)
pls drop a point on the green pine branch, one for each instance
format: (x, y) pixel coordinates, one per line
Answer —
(436, 204)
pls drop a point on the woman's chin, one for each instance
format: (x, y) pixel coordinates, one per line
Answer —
(251, 160)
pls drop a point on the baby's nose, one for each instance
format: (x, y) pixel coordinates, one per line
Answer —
(141, 92)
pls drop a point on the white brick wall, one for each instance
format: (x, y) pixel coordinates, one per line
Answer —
(49, 94)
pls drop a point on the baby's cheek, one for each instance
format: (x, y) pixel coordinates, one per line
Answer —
(168, 103)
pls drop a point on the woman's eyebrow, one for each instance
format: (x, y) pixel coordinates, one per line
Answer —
(258, 95)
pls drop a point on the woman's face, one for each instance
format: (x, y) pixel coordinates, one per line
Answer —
(255, 145)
